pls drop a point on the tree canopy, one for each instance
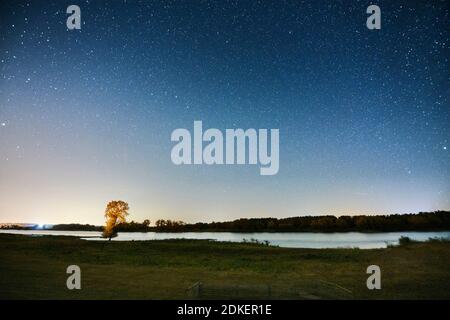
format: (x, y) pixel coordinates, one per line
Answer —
(115, 213)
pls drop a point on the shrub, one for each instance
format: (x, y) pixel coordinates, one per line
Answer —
(404, 241)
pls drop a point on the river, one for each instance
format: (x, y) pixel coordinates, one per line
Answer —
(282, 239)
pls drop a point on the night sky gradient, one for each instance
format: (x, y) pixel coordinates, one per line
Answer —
(86, 115)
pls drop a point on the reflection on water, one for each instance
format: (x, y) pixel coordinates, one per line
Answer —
(282, 239)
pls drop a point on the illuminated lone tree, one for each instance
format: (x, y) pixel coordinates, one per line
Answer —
(115, 213)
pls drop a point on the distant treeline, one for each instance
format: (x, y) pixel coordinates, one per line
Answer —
(131, 226)
(59, 227)
(422, 221)
(17, 226)
(75, 227)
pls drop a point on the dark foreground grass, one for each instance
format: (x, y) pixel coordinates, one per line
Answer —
(35, 268)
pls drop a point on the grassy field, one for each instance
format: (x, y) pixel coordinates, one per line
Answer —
(35, 268)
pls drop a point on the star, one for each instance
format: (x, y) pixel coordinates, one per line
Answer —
(338, 114)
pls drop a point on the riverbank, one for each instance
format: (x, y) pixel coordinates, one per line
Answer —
(35, 268)
(313, 240)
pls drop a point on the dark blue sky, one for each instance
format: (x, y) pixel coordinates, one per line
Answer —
(86, 115)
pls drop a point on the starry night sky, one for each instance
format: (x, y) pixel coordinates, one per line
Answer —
(86, 115)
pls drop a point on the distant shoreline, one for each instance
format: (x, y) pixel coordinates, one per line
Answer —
(420, 222)
(240, 231)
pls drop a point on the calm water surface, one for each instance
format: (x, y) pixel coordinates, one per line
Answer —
(282, 239)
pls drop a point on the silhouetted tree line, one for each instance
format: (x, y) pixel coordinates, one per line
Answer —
(16, 227)
(423, 221)
(59, 227)
(169, 225)
(133, 226)
(76, 227)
